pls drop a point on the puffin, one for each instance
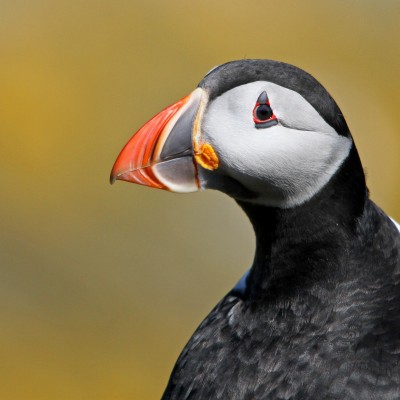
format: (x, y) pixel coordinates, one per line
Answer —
(317, 316)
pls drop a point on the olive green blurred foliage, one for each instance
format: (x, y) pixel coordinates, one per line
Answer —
(101, 286)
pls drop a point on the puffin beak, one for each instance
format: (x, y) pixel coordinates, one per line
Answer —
(160, 154)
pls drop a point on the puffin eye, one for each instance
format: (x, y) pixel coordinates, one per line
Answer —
(263, 112)
(263, 116)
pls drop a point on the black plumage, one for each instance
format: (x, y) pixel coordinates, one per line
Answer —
(320, 315)
(236, 73)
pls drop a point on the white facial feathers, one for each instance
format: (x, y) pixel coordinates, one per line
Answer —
(285, 164)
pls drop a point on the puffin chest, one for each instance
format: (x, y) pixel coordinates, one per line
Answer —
(267, 352)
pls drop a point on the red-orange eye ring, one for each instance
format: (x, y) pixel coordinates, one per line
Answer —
(263, 116)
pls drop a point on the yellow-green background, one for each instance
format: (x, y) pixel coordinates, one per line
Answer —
(100, 286)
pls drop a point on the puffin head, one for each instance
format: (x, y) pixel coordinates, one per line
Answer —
(260, 131)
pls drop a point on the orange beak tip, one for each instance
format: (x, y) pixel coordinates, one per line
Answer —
(160, 153)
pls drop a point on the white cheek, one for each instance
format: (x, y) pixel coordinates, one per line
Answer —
(285, 166)
(283, 157)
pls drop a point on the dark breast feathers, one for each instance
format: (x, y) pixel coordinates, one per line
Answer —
(340, 340)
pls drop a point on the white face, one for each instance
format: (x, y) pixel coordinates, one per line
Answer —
(285, 164)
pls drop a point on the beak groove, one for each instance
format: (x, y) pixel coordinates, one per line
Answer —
(160, 154)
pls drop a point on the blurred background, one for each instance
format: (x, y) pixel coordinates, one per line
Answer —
(100, 286)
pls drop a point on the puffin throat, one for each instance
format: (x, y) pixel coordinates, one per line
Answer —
(288, 257)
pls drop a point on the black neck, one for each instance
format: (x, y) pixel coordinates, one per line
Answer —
(297, 248)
